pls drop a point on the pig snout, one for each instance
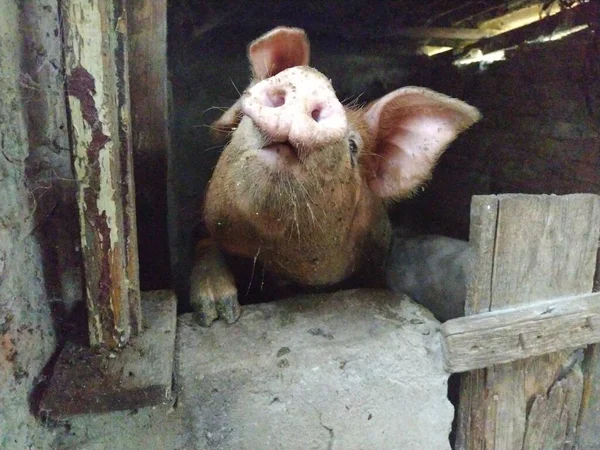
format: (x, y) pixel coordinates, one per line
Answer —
(298, 106)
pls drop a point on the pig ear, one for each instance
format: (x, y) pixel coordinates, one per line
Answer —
(412, 127)
(277, 50)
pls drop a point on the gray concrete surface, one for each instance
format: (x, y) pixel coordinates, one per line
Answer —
(351, 370)
(155, 428)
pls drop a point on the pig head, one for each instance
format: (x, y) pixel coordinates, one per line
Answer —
(302, 184)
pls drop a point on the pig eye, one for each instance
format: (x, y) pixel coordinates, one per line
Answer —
(353, 147)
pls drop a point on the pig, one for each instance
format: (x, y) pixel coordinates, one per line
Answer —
(432, 270)
(303, 182)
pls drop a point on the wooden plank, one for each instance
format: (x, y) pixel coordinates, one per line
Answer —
(455, 34)
(127, 169)
(503, 336)
(553, 417)
(150, 137)
(544, 248)
(138, 376)
(484, 215)
(588, 427)
(93, 49)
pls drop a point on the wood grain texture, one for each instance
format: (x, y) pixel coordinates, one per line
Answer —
(484, 215)
(553, 417)
(138, 376)
(127, 168)
(150, 136)
(544, 247)
(94, 58)
(479, 341)
(588, 427)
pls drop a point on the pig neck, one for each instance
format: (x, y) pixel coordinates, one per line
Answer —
(352, 242)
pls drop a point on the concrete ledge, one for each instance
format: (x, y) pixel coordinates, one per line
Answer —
(357, 369)
(138, 376)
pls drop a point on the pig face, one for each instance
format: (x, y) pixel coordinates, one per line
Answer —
(302, 183)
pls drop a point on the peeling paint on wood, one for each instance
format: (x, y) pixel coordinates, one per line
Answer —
(95, 60)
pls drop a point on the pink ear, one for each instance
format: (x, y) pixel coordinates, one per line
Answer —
(412, 127)
(277, 50)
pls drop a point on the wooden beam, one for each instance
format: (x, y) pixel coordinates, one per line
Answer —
(585, 13)
(455, 34)
(481, 340)
(127, 169)
(150, 137)
(537, 247)
(94, 59)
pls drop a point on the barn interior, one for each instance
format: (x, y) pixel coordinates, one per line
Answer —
(531, 67)
(539, 128)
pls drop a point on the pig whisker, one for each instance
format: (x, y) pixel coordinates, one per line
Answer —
(219, 108)
(252, 273)
(351, 101)
(309, 200)
(212, 148)
(212, 127)
(294, 200)
(378, 155)
(235, 87)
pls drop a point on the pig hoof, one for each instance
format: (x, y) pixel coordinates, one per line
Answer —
(208, 308)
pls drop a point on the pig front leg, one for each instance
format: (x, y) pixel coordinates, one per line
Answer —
(213, 293)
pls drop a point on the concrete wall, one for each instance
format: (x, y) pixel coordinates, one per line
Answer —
(40, 279)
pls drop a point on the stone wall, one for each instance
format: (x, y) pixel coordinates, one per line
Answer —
(40, 279)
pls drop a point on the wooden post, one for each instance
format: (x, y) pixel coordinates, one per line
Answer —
(95, 64)
(86, 380)
(149, 119)
(588, 426)
(528, 248)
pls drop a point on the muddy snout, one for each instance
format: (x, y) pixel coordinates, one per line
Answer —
(299, 106)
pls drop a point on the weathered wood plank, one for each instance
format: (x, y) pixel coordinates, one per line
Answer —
(94, 46)
(484, 215)
(503, 336)
(588, 427)
(544, 248)
(552, 417)
(454, 34)
(139, 375)
(150, 137)
(127, 169)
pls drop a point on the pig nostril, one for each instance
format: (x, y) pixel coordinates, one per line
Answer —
(275, 99)
(316, 114)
